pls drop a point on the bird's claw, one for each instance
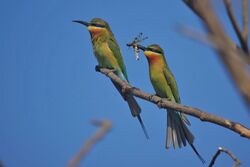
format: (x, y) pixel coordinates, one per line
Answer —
(111, 69)
(168, 99)
(151, 97)
(126, 89)
(98, 68)
(159, 103)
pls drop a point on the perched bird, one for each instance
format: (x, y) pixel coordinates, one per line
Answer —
(165, 86)
(108, 55)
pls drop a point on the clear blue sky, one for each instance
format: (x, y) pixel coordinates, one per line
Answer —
(49, 90)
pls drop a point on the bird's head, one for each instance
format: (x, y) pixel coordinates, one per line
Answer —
(152, 52)
(96, 26)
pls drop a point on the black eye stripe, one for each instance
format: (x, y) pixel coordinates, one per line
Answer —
(97, 25)
(154, 50)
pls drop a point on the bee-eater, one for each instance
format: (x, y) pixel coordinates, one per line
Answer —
(108, 55)
(165, 86)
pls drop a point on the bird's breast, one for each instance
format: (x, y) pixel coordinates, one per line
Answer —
(105, 56)
(158, 81)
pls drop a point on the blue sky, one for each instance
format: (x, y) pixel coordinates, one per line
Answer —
(49, 90)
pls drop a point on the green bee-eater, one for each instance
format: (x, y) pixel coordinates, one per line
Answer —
(108, 55)
(165, 86)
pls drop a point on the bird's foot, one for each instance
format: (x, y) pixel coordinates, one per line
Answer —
(168, 99)
(98, 69)
(111, 69)
(159, 103)
(151, 97)
(127, 89)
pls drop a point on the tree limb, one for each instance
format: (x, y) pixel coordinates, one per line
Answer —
(163, 103)
(220, 149)
(105, 127)
(231, 56)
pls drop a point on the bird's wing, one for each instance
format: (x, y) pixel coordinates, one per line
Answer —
(116, 50)
(172, 84)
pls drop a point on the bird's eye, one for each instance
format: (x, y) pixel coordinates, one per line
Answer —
(97, 25)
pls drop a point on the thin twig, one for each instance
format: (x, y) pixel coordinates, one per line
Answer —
(163, 103)
(245, 19)
(235, 25)
(220, 149)
(105, 127)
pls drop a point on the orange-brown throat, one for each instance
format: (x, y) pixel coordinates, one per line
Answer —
(153, 58)
(95, 31)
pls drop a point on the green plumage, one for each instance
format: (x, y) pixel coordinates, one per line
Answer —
(108, 55)
(165, 86)
(106, 49)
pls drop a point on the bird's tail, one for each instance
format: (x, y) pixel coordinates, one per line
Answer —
(135, 111)
(134, 107)
(178, 133)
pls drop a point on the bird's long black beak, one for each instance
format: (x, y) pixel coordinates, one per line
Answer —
(136, 45)
(142, 47)
(82, 22)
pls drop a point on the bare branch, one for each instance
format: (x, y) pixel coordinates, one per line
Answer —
(163, 103)
(231, 56)
(204, 38)
(245, 20)
(204, 11)
(235, 25)
(105, 127)
(193, 6)
(220, 149)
